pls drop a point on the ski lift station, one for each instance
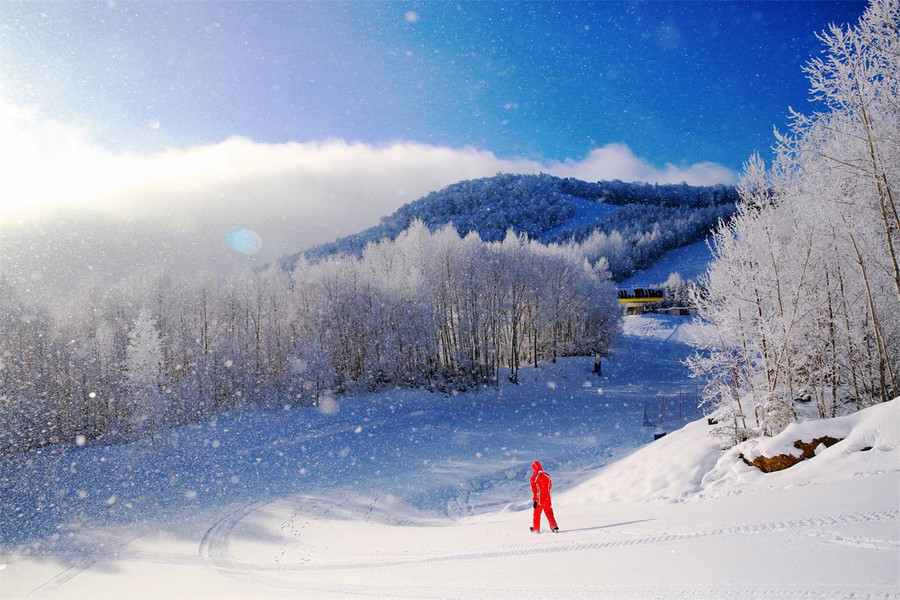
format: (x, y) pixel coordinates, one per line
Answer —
(633, 300)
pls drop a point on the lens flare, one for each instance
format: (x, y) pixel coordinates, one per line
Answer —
(243, 240)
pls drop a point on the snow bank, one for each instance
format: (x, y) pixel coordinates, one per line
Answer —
(691, 461)
(691, 331)
(860, 430)
(876, 428)
(669, 468)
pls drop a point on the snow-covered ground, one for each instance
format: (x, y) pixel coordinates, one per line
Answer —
(412, 495)
(667, 328)
(688, 261)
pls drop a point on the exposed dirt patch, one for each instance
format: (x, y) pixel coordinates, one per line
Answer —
(809, 450)
(780, 462)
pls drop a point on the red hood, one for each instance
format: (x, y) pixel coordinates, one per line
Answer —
(536, 466)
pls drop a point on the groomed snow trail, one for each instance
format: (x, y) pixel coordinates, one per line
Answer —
(304, 547)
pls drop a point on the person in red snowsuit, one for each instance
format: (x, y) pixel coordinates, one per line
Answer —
(540, 497)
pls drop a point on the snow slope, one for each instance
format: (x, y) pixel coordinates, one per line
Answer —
(587, 213)
(410, 495)
(689, 261)
(668, 328)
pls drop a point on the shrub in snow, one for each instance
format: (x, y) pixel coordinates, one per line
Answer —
(780, 462)
(774, 414)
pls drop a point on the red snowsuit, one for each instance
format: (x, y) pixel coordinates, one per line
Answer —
(540, 493)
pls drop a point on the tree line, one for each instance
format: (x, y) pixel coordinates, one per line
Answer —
(428, 309)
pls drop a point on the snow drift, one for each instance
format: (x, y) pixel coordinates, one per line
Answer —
(690, 461)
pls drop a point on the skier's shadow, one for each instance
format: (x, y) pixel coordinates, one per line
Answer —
(606, 526)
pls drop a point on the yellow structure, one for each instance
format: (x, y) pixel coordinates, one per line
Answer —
(641, 296)
(633, 300)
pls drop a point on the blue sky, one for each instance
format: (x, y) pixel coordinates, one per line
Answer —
(678, 82)
(142, 133)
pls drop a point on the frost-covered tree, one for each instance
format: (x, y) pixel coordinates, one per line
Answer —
(27, 410)
(804, 290)
(678, 291)
(144, 374)
(441, 310)
(428, 309)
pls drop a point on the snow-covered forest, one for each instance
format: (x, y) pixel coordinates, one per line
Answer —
(804, 291)
(484, 275)
(628, 224)
(429, 309)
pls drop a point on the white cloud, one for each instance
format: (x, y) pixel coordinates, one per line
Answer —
(617, 161)
(65, 199)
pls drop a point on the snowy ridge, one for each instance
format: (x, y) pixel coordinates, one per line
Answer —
(870, 444)
(543, 207)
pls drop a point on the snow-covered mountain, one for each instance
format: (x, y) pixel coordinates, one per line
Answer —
(553, 209)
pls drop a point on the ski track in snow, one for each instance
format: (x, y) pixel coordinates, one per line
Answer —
(83, 564)
(215, 553)
(529, 549)
(216, 544)
(863, 543)
(711, 592)
(674, 331)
